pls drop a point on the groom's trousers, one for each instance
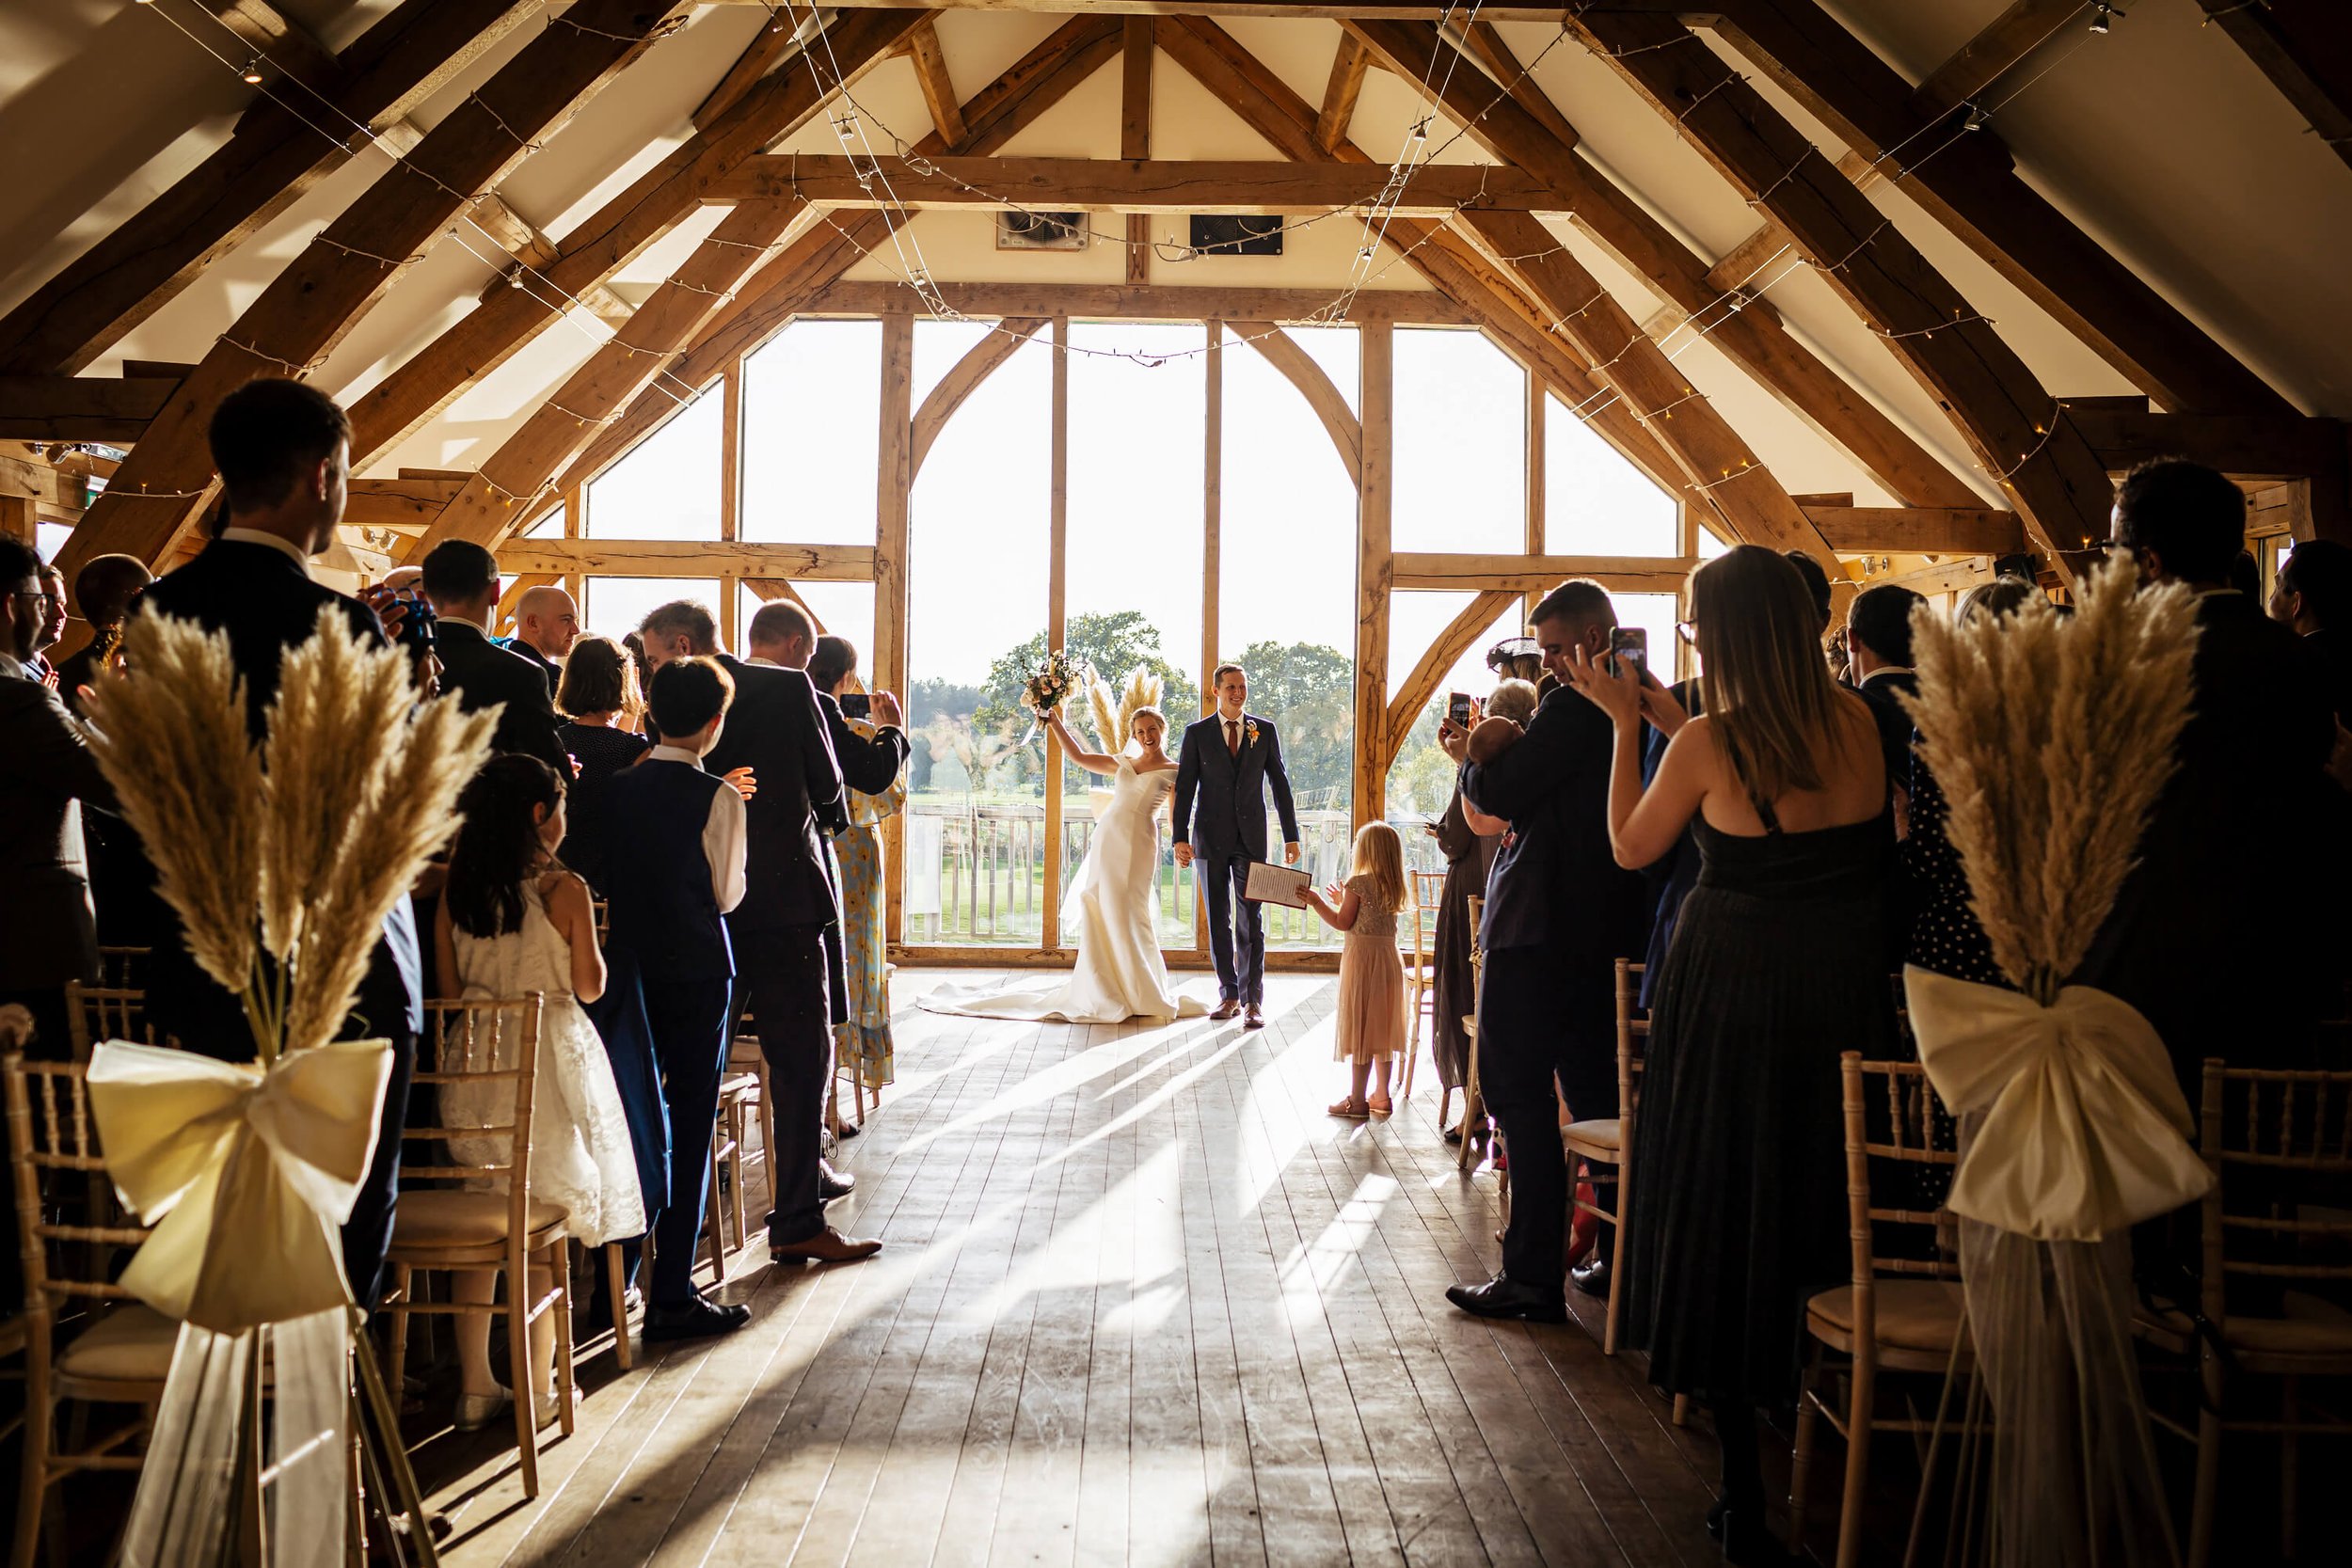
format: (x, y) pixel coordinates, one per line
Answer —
(1236, 928)
(785, 983)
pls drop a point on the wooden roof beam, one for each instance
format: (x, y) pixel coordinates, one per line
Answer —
(79, 408)
(2000, 44)
(2019, 432)
(485, 337)
(2305, 48)
(1972, 188)
(1135, 130)
(1346, 84)
(1152, 302)
(1131, 184)
(1494, 301)
(308, 307)
(998, 112)
(1752, 336)
(939, 88)
(268, 163)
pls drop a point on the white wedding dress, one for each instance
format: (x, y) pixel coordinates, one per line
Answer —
(581, 1158)
(1108, 909)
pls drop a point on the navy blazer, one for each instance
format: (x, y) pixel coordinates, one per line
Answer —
(776, 728)
(1556, 882)
(265, 603)
(1230, 790)
(479, 675)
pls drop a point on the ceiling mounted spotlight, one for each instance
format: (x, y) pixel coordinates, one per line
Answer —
(252, 72)
(1976, 118)
(2102, 13)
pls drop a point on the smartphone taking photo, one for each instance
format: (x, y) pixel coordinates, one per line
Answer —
(1457, 710)
(1631, 643)
(857, 704)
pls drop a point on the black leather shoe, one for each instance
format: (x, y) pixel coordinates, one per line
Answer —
(1593, 1278)
(1717, 1513)
(1747, 1541)
(848, 1129)
(698, 1318)
(1505, 1298)
(832, 1183)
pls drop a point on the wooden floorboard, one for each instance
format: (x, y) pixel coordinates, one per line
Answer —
(1141, 1301)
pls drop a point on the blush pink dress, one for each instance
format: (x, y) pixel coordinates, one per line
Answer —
(1372, 983)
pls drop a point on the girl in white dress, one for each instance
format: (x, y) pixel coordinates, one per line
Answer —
(1120, 973)
(513, 921)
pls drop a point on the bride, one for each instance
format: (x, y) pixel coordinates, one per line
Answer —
(1119, 974)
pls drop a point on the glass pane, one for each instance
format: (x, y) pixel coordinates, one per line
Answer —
(976, 582)
(812, 434)
(844, 608)
(548, 526)
(937, 347)
(1340, 352)
(1595, 501)
(1133, 551)
(667, 487)
(618, 606)
(1461, 444)
(1287, 610)
(1421, 780)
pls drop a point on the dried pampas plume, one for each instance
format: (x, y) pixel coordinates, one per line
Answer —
(1111, 732)
(172, 741)
(419, 760)
(2051, 739)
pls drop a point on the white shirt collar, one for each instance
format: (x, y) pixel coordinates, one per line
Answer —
(287, 547)
(676, 753)
(763, 663)
(1887, 670)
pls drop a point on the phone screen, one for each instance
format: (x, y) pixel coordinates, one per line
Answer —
(857, 704)
(1632, 645)
(1457, 710)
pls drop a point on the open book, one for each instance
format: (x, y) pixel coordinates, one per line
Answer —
(1276, 884)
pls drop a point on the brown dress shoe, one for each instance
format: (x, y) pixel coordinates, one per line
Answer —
(827, 1246)
(1226, 1008)
(1254, 1019)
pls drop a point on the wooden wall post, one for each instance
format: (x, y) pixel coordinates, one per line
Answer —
(20, 518)
(1212, 556)
(1538, 455)
(1056, 619)
(892, 479)
(1375, 403)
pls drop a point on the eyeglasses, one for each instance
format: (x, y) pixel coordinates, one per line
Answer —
(1688, 631)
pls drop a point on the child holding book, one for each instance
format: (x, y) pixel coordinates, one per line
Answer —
(1370, 1012)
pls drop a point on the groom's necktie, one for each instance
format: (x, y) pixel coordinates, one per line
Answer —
(1232, 739)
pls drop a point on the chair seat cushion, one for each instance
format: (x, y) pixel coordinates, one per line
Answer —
(1600, 1132)
(457, 1219)
(2310, 1326)
(130, 1344)
(1913, 1314)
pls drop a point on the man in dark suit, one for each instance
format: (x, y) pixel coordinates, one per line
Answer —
(1226, 764)
(546, 624)
(2313, 597)
(461, 581)
(782, 635)
(1878, 658)
(1560, 913)
(786, 930)
(2205, 926)
(283, 453)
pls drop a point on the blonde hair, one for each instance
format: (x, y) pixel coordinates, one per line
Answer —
(1380, 855)
(1514, 700)
(1145, 711)
(1769, 699)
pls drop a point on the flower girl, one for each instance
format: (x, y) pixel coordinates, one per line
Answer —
(1371, 978)
(513, 921)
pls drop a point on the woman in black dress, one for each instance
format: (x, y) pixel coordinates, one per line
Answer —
(1776, 967)
(597, 693)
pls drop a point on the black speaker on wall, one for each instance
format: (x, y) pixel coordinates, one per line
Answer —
(1237, 234)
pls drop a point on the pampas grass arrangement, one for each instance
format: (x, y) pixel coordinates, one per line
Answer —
(300, 860)
(2050, 738)
(1113, 712)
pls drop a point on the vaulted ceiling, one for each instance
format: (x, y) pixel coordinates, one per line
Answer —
(2175, 226)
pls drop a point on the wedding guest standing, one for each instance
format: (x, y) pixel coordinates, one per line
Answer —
(600, 685)
(2313, 597)
(102, 591)
(674, 867)
(49, 626)
(1468, 854)
(1560, 913)
(2261, 728)
(513, 921)
(283, 453)
(461, 579)
(862, 1039)
(547, 622)
(1777, 966)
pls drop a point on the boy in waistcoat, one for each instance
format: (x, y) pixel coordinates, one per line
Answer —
(675, 867)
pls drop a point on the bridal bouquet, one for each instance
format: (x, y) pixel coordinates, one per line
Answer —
(283, 862)
(1052, 685)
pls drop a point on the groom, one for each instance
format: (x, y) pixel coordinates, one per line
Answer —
(1226, 761)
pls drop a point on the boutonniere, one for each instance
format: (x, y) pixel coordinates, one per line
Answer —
(1249, 732)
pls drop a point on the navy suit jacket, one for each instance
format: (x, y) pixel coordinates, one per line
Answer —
(480, 674)
(1556, 882)
(1229, 791)
(266, 604)
(776, 728)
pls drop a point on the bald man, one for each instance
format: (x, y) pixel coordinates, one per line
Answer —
(546, 623)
